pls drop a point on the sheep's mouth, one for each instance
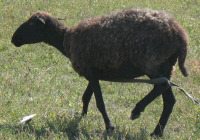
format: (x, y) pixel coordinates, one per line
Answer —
(17, 42)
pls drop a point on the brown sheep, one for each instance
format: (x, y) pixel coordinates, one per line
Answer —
(117, 47)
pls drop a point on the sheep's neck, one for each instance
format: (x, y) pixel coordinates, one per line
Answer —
(55, 38)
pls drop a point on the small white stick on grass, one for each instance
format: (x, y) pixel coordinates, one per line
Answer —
(27, 118)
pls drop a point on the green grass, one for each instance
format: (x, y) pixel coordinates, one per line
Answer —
(39, 79)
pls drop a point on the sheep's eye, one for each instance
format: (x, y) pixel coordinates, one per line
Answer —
(31, 23)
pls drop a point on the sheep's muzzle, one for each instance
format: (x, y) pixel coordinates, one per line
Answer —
(17, 41)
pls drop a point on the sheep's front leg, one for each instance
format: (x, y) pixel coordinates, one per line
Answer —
(86, 99)
(169, 101)
(100, 103)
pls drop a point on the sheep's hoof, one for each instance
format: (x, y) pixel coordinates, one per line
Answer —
(110, 127)
(156, 134)
(83, 115)
(135, 115)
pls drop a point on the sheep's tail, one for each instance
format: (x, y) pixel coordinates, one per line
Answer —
(181, 59)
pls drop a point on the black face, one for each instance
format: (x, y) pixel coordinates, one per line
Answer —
(32, 31)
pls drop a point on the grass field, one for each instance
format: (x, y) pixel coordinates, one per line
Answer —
(39, 79)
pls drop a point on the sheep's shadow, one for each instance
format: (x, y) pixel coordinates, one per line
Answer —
(58, 126)
(69, 128)
(124, 134)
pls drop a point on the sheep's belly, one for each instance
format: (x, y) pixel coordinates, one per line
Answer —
(124, 72)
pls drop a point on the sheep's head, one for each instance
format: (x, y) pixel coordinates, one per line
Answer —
(31, 31)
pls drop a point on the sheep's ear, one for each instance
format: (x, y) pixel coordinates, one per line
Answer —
(60, 18)
(65, 18)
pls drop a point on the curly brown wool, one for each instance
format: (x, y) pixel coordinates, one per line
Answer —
(144, 38)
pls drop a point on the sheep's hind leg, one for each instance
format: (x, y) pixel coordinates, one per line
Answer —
(86, 99)
(169, 101)
(100, 103)
(140, 106)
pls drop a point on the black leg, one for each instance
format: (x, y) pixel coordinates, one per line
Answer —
(140, 106)
(100, 103)
(169, 101)
(86, 99)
